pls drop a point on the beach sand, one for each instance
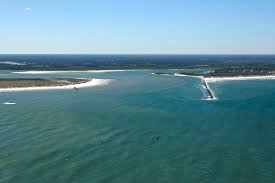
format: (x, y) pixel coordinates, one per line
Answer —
(92, 83)
(238, 78)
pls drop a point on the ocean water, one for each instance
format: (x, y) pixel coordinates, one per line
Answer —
(139, 128)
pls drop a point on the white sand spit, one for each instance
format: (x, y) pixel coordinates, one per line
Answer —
(92, 83)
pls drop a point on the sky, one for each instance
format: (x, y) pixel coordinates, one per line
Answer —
(137, 26)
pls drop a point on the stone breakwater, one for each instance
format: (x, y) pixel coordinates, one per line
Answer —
(209, 92)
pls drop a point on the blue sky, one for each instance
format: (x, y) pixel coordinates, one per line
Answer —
(137, 26)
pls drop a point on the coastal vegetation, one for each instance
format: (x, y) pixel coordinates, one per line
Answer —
(257, 63)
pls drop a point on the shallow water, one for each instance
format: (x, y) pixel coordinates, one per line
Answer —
(139, 128)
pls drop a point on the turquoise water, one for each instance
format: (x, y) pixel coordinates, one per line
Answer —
(139, 128)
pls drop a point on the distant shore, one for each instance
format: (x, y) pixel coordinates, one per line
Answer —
(30, 84)
(72, 71)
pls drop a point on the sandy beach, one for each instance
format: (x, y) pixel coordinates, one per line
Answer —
(92, 83)
(216, 79)
(238, 78)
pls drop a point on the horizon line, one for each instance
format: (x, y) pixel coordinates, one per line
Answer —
(137, 53)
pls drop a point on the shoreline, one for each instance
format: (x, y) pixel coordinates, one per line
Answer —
(239, 78)
(231, 78)
(92, 83)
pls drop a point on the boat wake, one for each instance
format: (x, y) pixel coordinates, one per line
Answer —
(9, 103)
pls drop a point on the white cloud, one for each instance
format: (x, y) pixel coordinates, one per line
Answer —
(27, 9)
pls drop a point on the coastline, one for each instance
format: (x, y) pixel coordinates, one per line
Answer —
(63, 71)
(92, 83)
